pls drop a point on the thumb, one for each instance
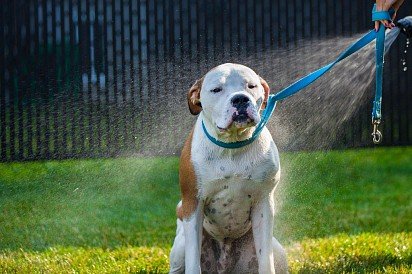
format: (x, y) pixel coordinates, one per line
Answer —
(376, 25)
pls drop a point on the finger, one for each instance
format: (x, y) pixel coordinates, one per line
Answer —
(394, 16)
(376, 25)
(385, 23)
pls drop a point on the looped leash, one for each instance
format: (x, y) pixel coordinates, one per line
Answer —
(310, 78)
(380, 49)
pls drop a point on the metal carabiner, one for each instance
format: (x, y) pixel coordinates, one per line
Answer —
(376, 134)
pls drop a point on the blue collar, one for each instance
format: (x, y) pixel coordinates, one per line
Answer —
(264, 118)
(310, 78)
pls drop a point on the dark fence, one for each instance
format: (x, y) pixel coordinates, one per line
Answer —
(107, 78)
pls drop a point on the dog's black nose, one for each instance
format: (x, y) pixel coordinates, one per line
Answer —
(240, 101)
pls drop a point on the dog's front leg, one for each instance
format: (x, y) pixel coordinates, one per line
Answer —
(262, 225)
(193, 226)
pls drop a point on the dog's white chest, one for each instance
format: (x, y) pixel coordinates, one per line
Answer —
(230, 185)
(229, 197)
(227, 208)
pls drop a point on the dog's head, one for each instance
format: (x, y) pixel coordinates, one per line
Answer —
(230, 96)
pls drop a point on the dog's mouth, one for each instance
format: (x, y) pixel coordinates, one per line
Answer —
(239, 120)
(242, 120)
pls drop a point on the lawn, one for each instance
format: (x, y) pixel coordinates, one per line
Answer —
(338, 211)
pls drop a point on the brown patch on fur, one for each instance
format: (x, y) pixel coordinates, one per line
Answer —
(193, 97)
(267, 91)
(187, 180)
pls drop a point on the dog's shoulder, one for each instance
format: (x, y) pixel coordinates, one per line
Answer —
(187, 180)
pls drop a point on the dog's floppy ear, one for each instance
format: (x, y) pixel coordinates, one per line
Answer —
(193, 97)
(266, 89)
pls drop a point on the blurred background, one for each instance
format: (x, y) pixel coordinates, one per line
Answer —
(108, 78)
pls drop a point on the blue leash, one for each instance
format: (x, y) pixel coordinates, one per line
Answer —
(380, 50)
(310, 78)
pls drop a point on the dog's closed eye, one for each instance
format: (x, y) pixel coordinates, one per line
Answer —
(215, 90)
(251, 86)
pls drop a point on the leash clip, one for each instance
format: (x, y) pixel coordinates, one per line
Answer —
(376, 134)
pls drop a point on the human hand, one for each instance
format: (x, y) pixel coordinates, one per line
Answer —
(386, 5)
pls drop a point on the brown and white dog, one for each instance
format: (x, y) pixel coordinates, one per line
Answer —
(226, 215)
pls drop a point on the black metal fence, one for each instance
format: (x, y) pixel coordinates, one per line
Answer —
(98, 78)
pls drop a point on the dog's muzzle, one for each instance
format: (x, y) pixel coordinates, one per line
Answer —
(242, 117)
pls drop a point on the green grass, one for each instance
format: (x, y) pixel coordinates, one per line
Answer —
(339, 211)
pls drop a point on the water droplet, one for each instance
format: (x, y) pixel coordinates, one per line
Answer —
(405, 51)
(404, 63)
(405, 68)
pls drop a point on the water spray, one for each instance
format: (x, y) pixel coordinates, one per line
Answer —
(404, 25)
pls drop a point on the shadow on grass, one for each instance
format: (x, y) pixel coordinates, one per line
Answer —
(360, 264)
(366, 252)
